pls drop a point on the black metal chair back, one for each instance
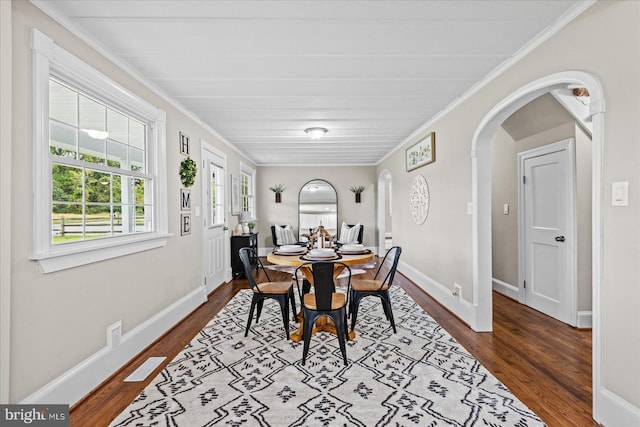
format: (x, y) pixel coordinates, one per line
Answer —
(246, 255)
(365, 288)
(323, 284)
(324, 292)
(389, 265)
(282, 292)
(360, 234)
(274, 237)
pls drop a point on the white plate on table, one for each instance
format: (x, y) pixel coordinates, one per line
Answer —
(322, 253)
(351, 247)
(356, 252)
(300, 252)
(290, 248)
(308, 257)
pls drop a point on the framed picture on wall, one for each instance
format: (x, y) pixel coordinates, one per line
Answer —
(421, 153)
(235, 195)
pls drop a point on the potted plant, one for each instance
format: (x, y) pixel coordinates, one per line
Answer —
(357, 190)
(252, 226)
(278, 189)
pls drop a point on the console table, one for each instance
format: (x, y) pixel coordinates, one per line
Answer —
(243, 241)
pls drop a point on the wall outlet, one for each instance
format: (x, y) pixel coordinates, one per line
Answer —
(456, 291)
(114, 334)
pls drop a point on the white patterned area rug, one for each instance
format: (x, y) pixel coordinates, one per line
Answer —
(418, 377)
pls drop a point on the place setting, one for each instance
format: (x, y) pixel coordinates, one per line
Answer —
(353, 249)
(290, 250)
(321, 254)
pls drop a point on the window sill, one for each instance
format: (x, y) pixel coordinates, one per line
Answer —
(88, 254)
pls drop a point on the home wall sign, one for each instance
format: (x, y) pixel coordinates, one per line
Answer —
(184, 144)
(419, 199)
(185, 199)
(188, 171)
(185, 224)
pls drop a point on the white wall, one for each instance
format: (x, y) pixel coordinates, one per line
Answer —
(605, 41)
(59, 320)
(583, 206)
(504, 228)
(5, 197)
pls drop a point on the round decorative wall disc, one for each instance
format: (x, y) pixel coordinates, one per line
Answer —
(419, 199)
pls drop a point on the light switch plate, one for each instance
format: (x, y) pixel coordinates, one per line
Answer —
(506, 209)
(620, 193)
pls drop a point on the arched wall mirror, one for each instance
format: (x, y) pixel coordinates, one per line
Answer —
(317, 204)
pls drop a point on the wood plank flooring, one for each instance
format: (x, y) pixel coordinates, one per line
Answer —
(545, 363)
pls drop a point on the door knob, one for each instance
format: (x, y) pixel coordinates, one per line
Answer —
(560, 239)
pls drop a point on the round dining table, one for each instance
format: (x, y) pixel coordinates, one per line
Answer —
(323, 323)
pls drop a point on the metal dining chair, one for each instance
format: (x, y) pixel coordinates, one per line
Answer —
(378, 287)
(279, 291)
(324, 301)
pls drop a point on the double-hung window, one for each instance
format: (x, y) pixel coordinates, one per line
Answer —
(99, 172)
(247, 190)
(99, 184)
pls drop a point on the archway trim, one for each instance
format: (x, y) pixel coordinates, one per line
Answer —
(481, 200)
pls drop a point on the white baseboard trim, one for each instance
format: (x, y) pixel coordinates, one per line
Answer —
(461, 308)
(614, 411)
(585, 319)
(80, 380)
(505, 288)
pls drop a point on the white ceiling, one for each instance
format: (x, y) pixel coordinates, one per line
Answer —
(260, 72)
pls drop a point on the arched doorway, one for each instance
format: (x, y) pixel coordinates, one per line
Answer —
(481, 198)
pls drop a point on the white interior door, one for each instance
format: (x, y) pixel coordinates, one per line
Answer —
(215, 259)
(549, 223)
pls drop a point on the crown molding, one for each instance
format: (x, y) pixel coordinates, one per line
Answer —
(545, 35)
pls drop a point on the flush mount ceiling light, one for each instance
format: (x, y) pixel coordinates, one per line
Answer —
(315, 133)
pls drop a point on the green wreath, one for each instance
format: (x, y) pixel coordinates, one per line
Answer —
(188, 170)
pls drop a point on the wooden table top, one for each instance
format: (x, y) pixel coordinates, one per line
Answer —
(294, 260)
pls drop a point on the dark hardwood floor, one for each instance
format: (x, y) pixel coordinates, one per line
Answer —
(544, 362)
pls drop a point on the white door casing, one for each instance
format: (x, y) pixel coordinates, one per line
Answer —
(215, 258)
(384, 199)
(547, 230)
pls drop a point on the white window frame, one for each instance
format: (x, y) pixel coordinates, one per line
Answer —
(50, 59)
(247, 170)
